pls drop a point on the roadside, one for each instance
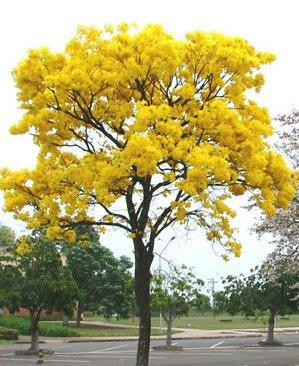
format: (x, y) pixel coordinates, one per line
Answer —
(180, 334)
(209, 322)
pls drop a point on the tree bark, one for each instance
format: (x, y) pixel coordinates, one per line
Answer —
(78, 314)
(271, 321)
(169, 328)
(143, 261)
(34, 319)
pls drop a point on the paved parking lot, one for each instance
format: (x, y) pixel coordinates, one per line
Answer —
(199, 352)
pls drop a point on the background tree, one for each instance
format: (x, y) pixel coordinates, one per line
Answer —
(220, 302)
(103, 281)
(205, 304)
(267, 288)
(174, 294)
(131, 298)
(32, 276)
(152, 131)
(241, 294)
(7, 238)
(281, 269)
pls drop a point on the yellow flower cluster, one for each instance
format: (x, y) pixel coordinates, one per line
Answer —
(119, 106)
(23, 246)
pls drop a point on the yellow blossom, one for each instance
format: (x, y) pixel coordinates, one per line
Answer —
(148, 127)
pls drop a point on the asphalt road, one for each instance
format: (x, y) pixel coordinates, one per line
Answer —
(199, 352)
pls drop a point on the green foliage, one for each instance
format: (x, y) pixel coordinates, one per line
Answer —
(258, 292)
(58, 330)
(22, 325)
(36, 278)
(104, 282)
(220, 303)
(204, 304)
(8, 334)
(50, 317)
(7, 237)
(175, 292)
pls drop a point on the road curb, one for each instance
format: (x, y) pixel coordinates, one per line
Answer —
(220, 336)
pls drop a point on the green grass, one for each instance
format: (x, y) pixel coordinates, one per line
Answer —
(109, 332)
(8, 334)
(15, 322)
(3, 342)
(193, 321)
(237, 322)
(57, 330)
(22, 324)
(209, 323)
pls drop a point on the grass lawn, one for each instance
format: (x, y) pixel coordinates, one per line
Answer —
(222, 321)
(3, 342)
(108, 332)
(57, 330)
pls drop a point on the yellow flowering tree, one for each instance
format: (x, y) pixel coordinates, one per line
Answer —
(138, 130)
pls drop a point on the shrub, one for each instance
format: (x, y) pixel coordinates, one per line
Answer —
(49, 317)
(55, 330)
(8, 334)
(20, 323)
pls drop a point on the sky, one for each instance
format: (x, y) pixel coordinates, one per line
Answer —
(268, 25)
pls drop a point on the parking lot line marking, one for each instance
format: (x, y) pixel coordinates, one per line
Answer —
(229, 348)
(217, 344)
(205, 353)
(114, 357)
(103, 355)
(109, 349)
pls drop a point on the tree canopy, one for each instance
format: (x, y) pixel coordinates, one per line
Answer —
(32, 276)
(122, 107)
(149, 130)
(103, 281)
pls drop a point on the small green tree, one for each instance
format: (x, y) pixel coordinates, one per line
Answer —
(241, 294)
(174, 293)
(32, 276)
(262, 290)
(103, 281)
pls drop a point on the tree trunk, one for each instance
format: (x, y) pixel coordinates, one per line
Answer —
(271, 321)
(34, 319)
(169, 328)
(78, 314)
(143, 262)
